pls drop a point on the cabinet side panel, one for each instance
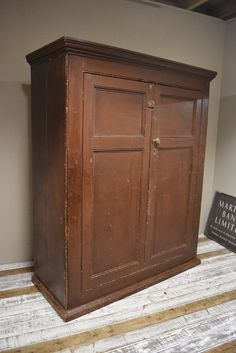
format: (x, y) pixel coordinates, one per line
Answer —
(201, 159)
(48, 130)
(74, 176)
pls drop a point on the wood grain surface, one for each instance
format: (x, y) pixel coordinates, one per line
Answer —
(118, 146)
(193, 311)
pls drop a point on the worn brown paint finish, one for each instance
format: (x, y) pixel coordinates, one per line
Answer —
(48, 131)
(116, 150)
(173, 171)
(114, 211)
(73, 138)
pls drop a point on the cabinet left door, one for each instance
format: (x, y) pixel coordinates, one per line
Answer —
(116, 142)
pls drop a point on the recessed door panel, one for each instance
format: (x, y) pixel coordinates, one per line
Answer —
(173, 173)
(176, 115)
(118, 112)
(116, 142)
(116, 207)
(171, 199)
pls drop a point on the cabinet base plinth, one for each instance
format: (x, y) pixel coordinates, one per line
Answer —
(69, 314)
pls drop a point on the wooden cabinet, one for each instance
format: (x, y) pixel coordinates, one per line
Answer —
(118, 154)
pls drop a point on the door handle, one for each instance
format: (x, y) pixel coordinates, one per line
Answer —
(156, 141)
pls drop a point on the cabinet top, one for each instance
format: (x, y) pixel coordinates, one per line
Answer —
(106, 52)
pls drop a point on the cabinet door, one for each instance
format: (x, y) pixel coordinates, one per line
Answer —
(173, 173)
(116, 143)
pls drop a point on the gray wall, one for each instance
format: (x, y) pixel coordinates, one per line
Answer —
(225, 171)
(25, 25)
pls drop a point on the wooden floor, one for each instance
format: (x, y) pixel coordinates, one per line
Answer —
(192, 312)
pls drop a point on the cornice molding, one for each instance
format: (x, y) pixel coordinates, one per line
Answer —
(101, 51)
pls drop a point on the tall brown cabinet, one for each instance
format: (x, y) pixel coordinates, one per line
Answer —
(118, 154)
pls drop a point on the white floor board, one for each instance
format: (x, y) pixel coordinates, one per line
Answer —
(11, 266)
(29, 319)
(153, 338)
(16, 281)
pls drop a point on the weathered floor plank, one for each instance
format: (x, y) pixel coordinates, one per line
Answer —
(196, 337)
(27, 321)
(229, 347)
(203, 239)
(15, 271)
(186, 321)
(152, 299)
(16, 265)
(18, 291)
(15, 281)
(92, 336)
(213, 253)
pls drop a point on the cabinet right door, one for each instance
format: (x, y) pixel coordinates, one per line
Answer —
(176, 124)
